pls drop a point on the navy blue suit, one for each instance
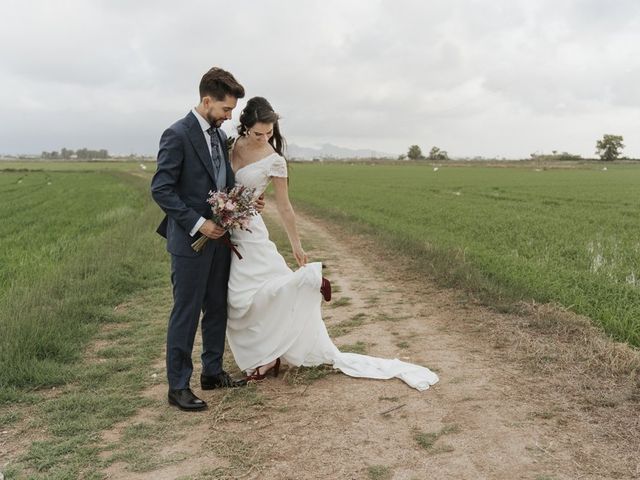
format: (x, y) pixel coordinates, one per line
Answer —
(180, 186)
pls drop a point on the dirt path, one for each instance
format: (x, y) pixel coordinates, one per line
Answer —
(538, 396)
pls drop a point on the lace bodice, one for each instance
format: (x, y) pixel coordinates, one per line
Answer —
(258, 174)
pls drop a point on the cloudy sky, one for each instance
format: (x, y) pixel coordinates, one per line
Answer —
(474, 77)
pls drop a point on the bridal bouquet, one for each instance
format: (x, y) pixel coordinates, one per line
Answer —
(231, 210)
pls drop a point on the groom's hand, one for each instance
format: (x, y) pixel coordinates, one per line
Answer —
(211, 230)
(260, 203)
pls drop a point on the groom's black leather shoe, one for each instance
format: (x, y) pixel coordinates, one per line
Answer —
(185, 400)
(221, 380)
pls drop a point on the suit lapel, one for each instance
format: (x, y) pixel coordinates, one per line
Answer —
(200, 145)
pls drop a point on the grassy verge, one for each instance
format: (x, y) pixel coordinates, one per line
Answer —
(62, 427)
(74, 246)
(82, 267)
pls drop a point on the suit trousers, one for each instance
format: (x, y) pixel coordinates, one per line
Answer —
(199, 285)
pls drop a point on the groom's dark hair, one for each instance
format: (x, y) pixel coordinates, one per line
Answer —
(218, 83)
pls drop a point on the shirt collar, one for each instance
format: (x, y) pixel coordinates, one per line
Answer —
(201, 120)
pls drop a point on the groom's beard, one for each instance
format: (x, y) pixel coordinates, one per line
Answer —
(215, 122)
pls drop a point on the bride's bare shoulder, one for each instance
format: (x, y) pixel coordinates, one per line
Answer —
(268, 149)
(239, 143)
(238, 147)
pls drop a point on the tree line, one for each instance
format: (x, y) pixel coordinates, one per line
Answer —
(608, 148)
(415, 153)
(82, 153)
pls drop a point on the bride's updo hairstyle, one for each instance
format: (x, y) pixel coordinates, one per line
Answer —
(259, 110)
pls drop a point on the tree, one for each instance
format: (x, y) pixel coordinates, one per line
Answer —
(437, 154)
(610, 147)
(415, 153)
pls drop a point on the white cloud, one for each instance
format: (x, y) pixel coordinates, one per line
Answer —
(502, 78)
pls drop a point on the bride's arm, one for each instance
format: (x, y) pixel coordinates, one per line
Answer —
(281, 190)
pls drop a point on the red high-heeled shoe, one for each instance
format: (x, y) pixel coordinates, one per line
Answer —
(257, 376)
(325, 289)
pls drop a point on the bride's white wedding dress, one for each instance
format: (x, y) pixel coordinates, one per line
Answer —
(276, 312)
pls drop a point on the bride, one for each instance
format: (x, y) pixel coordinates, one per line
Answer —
(274, 313)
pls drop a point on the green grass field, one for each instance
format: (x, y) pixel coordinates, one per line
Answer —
(73, 244)
(564, 235)
(78, 239)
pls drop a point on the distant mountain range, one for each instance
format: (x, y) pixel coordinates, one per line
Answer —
(327, 151)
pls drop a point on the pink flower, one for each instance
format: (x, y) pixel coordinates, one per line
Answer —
(230, 206)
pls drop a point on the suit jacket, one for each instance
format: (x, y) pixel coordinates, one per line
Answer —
(183, 180)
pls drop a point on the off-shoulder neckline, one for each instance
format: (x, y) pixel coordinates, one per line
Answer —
(257, 161)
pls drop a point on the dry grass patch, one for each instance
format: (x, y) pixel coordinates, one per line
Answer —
(428, 440)
(346, 326)
(341, 302)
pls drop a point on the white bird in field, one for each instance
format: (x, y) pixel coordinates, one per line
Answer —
(604, 169)
(143, 166)
(435, 169)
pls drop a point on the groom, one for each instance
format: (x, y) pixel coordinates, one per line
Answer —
(193, 160)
